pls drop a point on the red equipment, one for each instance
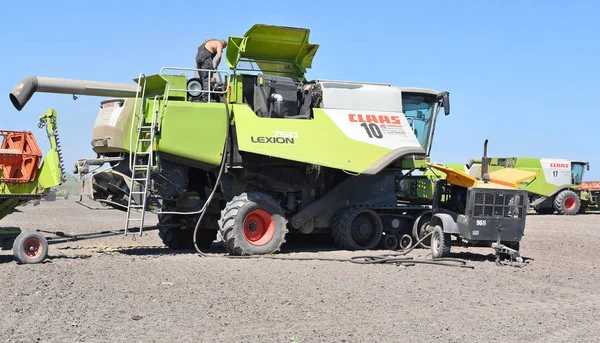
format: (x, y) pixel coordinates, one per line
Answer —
(19, 156)
(590, 185)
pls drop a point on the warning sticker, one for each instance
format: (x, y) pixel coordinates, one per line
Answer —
(393, 129)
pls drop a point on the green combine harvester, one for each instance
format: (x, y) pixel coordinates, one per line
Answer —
(269, 153)
(558, 188)
(22, 179)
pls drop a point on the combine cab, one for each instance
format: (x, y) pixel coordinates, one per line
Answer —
(269, 153)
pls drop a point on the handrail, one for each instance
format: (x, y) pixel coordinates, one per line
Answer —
(140, 77)
(210, 74)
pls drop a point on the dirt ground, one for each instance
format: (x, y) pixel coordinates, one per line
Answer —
(116, 289)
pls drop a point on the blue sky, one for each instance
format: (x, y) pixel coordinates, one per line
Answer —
(523, 74)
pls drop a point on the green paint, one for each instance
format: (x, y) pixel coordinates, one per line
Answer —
(277, 50)
(194, 131)
(318, 141)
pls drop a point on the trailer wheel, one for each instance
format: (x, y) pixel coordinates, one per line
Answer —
(253, 223)
(354, 229)
(421, 228)
(440, 242)
(30, 247)
(567, 203)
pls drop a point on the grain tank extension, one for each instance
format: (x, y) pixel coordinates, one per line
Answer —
(273, 151)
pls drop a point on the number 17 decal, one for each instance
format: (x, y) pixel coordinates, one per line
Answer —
(555, 173)
(372, 130)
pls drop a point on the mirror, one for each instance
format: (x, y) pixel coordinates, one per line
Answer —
(446, 103)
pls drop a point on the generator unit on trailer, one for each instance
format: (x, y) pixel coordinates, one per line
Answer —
(558, 188)
(490, 212)
(268, 153)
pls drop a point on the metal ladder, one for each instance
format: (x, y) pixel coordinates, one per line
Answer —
(141, 165)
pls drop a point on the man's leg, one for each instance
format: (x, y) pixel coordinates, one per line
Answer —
(206, 63)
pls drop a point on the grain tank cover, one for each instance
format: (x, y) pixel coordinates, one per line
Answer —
(277, 50)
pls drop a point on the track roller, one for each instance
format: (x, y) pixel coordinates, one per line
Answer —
(390, 242)
(405, 242)
(357, 229)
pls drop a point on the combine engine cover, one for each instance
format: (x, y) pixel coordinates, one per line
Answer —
(357, 127)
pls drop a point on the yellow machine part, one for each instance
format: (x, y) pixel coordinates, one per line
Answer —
(455, 177)
(511, 177)
(502, 178)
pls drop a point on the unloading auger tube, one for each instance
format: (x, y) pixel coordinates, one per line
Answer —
(29, 85)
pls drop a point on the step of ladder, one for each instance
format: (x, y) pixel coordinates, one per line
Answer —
(142, 180)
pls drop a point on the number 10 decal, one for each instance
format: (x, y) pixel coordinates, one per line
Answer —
(372, 130)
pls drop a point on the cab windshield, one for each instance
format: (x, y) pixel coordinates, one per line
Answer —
(419, 110)
(576, 173)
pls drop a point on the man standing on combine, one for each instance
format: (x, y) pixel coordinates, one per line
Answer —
(204, 60)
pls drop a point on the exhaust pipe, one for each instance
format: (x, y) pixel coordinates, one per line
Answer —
(25, 89)
(485, 164)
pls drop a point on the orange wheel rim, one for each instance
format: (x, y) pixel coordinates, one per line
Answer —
(569, 203)
(32, 247)
(259, 227)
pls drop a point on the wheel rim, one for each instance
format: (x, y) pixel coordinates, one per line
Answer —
(259, 227)
(569, 203)
(423, 231)
(32, 247)
(435, 240)
(363, 229)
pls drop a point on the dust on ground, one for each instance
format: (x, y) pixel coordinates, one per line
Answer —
(116, 289)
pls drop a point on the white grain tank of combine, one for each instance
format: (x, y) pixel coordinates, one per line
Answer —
(113, 126)
(401, 117)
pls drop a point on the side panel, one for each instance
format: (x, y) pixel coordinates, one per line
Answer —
(556, 172)
(112, 127)
(194, 130)
(343, 139)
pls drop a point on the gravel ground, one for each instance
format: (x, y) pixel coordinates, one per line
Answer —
(116, 289)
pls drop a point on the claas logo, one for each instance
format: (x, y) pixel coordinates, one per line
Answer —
(559, 165)
(374, 118)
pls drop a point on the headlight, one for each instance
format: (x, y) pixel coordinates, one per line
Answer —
(194, 87)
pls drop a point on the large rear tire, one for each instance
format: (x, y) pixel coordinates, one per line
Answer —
(253, 223)
(356, 229)
(567, 203)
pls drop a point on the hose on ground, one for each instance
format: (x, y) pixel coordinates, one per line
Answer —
(399, 259)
